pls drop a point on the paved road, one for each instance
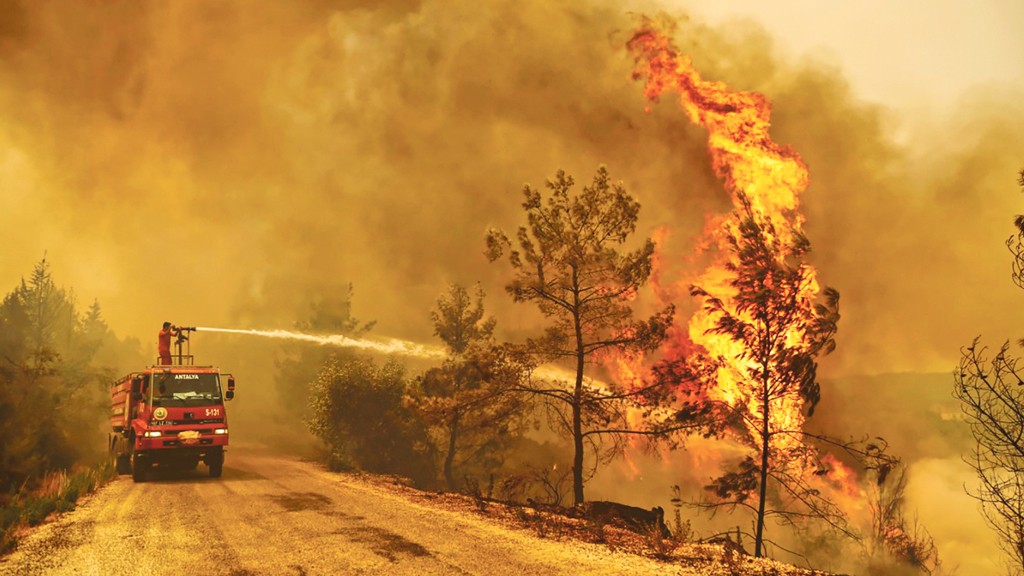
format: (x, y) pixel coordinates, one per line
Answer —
(271, 515)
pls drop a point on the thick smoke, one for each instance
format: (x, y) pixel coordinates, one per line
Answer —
(229, 163)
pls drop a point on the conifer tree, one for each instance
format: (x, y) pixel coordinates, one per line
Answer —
(567, 262)
(470, 400)
(777, 330)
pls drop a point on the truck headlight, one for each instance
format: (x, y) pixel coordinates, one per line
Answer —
(221, 431)
(152, 434)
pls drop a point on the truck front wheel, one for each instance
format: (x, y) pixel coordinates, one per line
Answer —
(216, 463)
(140, 467)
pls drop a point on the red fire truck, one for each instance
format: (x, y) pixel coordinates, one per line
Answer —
(170, 416)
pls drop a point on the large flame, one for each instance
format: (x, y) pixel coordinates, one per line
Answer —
(742, 152)
(751, 165)
(771, 178)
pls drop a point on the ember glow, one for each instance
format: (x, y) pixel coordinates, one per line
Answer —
(392, 346)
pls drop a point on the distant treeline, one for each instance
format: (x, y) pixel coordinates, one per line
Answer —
(56, 362)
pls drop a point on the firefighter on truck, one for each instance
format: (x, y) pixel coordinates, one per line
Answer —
(170, 415)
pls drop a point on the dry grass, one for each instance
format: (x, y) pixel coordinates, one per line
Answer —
(55, 492)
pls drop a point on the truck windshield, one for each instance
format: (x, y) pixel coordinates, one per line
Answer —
(186, 390)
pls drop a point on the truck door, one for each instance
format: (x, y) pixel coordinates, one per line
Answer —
(140, 388)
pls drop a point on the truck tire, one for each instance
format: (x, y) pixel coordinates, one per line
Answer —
(140, 468)
(216, 464)
(123, 464)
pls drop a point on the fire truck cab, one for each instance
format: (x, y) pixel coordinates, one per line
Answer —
(170, 417)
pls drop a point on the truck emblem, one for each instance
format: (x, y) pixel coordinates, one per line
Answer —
(160, 413)
(189, 437)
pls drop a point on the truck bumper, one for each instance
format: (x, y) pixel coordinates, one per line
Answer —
(173, 443)
(182, 457)
(170, 451)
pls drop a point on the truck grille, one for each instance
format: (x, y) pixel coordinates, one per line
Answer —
(178, 443)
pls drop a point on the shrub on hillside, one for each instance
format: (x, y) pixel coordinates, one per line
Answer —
(358, 411)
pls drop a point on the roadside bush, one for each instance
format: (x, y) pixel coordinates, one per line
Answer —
(358, 411)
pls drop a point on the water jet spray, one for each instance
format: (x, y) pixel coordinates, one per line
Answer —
(391, 346)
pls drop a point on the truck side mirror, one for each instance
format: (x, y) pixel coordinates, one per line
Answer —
(231, 388)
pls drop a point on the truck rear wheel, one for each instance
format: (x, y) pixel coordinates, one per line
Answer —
(118, 461)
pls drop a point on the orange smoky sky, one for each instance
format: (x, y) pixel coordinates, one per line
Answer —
(227, 163)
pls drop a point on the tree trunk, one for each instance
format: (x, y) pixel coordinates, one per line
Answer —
(577, 402)
(450, 458)
(577, 436)
(765, 437)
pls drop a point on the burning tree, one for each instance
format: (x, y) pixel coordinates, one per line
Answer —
(470, 400)
(567, 264)
(764, 374)
(747, 364)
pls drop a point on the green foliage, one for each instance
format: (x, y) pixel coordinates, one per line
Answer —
(472, 406)
(357, 409)
(458, 322)
(470, 402)
(53, 391)
(566, 262)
